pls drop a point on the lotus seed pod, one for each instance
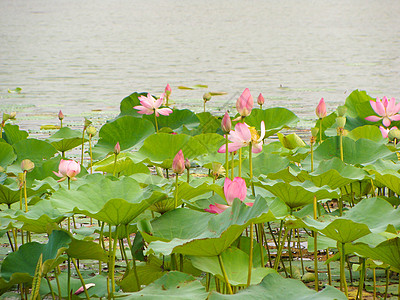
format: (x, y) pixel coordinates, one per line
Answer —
(91, 130)
(207, 97)
(341, 122)
(27, 165)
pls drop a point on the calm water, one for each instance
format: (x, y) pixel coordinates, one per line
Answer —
(82, 56)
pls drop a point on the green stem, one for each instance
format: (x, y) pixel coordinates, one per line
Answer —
(221, 264)
(250, 255)
(115, 163)
(278, 255)
(60, 124)
(374, 277)
(113, 250)
(58, 283)
(176, 190)
(232, 165)
(316, 259)
(226, 156)
(341, 145)
(362, 275)
(312, 157)
(50, 287)
(240, 162)
(25, 193)
(90, 151)
(260, 241)
(251, 169)
(69, 183)
(320, 131)
(155, 119)
(83, 144)
(329, 268)
(301, 252)
(80, 278)
(133, 259)
(342, 272)
(188, 175)
(69, 278)
(204, 106)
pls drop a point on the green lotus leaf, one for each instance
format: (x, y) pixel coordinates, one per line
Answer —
(173, 285)
(387, 252)
(208, 124)
(12, 134)
(80, 249)
(124, 165)
(114, 202)
(334, 173)
(7, 155)
(358, 105)
(66, 139)
(243, 243)
(274, 118)
(370, 132)
(291, 141)
(236, 263)
(362, 151)
(97, 291)
(21, 265)
(327, 123)
(127, 130)
(297, 194)
(202, 234)
(127, 104)
(274, 286)
(265, 163)
(382, 166)
(35, 150)
(161, 148)
(287, 174)
(211, 142)
(390, 178)
(177, 119)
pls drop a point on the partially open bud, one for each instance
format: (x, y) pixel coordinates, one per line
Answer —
(314, 131)
(117, 149)
(178, 164)
(168, 90)
(60, 115)
(341, 111)
(260, 99)
(187, 164)
(91, 131)
(341, 122)
(394, 134)
(226, 124)
(320, 111)
(244, 104)
(27, 165)
(207, 97)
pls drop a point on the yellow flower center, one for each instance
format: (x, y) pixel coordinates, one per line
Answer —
(254, 134)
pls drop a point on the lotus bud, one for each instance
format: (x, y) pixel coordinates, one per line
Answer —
(13, 115)
(394, 134)
(117, 149)
(168, 90)
(187, 164)
(178, 164)
(260, 99)
(320, 111)
(341, 111)
(60, 115)
(226, 124)
(244, 104)
(87, 123)
(27, 165)
(207, 97)
(314, 131)
(341, 122)
(91, 131)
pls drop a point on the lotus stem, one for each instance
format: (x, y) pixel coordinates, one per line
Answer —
(240, 162)
(221, 264)
(113, 250)
(232, 165)
(176, 190)
(290, 253)
(362, 277)
(90, 151)
(387, 283)
(343, 285)
(260, 241)
(83, 144)
(226, 156)
(60, 124)
(260, 106)
(341, 144)
(181, 262)
(50, 287)
(25, 193)
(320, 131)
(69, 278)
(80, 278)
(250, 255)
(20, 192)
(315, 245)
(204, 106)
(251, 169)
(9, 240)
(374, 283)
(15, 233)
(312, 157)
(188, 175)
(115, 163)
(329, 268)
(155, 119)
(266, 244)
(133, 259)
(278, 255)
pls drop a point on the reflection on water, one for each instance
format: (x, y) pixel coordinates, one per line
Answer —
(81, 55)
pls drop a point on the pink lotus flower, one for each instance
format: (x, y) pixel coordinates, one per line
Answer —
(244, 104)
(149, 105)
(235, 188)
(386, 109)
(226, 124)
(68, 169)
(260, 99)
(385, 131)
(242, 136)
(320, 111)
(178, 164)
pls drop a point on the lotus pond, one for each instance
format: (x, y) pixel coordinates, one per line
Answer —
(166, 203)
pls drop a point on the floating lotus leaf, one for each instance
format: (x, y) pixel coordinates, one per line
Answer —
(362, 151)
(161, 148)
(124, 165)
(274, 286)
(127, 130)
(297, 194)
(114, 202)
(274, 118)
(35, 150)
(7, 155)
(203, 234)
(12, 134)
(236, 263)
(370, 132)
(174, 285)
(19, 266)
(66, 139)
(178, 118)
(334, 173)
